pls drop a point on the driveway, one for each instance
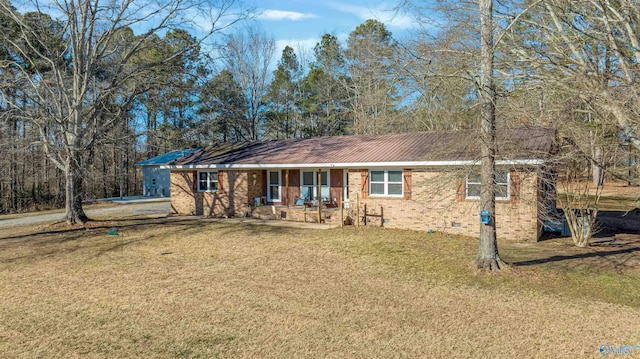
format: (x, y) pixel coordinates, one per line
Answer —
(119, 209)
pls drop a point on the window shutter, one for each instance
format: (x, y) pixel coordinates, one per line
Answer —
(460, 190)
(195, 181)
(220, 177)
(407, 184)
(264, 182)
(514, 190)
(364, 183)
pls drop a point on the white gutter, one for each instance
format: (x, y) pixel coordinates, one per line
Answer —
(354, 164)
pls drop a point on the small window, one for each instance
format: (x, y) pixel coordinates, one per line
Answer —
(502, 185)
(274, 187)
(208, 181)
(473, 186)
(385, 183)
(308, 178)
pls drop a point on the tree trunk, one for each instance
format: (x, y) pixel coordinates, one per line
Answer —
(121, 174)
(73, 190)
(13, 174)
(596, 166)
(487, 257)
(581, 223)
(105, 194)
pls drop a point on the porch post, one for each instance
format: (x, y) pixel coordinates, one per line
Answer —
(286, 186)
(358, 209)
(341, 207)
(319, 195)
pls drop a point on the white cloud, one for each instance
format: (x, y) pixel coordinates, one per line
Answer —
(277, 15)
(382, 12)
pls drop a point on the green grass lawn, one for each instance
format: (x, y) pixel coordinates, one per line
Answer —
(182, 287)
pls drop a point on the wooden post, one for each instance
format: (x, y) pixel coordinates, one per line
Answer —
(365, 214)
(341, 208)
(319, 195)
(381, 216)
(286, 187)
(357, 209)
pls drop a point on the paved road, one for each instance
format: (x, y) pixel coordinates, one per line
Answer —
(119, 210)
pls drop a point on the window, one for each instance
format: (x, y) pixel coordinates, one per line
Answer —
(309, 181)
(273, 186)
(385, 183)
(207, 181)
(502, 185)
(345, 184)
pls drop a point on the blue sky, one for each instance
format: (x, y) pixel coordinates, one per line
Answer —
(301, 23)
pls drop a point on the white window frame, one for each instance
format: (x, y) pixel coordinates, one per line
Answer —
(345, 184)
(314, 187)
(209, 181)
(279, 184)
(507, 184)
(386, 183)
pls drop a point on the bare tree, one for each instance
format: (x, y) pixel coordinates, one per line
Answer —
(579, 200)
(488, 257)
(84, 81)
(582, 58)
(589, 49)
(247, 55)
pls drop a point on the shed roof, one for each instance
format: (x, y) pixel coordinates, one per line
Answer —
(167, 157)
(521, 145)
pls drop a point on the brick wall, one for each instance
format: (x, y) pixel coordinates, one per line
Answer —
(233, 197)
(183, 194)
(256, 189)
(435, 206)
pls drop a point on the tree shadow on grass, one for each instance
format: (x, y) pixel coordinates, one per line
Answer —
(46, 243)
(53, 242)
(97, 225)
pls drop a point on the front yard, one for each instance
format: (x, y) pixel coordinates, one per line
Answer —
(183, 287)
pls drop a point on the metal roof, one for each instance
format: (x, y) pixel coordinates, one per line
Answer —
(444, 147)
(167, 157)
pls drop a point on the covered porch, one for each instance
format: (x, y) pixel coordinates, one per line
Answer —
(307, 187)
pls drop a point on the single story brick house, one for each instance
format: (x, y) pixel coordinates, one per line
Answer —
(421, 181)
